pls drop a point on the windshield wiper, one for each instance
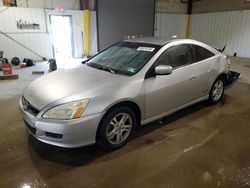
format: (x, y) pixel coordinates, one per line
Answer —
(106, 69)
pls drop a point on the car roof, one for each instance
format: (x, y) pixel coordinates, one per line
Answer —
(157, 40)
(149, 40)
(162, 42)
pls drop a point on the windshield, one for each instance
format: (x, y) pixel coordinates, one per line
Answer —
(124, 58)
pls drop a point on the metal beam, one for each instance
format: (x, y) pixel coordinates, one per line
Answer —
(188, 15)
(85, 8)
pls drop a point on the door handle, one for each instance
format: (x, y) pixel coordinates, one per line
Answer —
(193, 78)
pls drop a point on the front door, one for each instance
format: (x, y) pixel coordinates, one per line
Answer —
(167, 92)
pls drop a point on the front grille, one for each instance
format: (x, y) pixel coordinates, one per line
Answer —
(29, 108)
(32, 129)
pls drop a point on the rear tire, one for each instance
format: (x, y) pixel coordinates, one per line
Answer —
(217, 91)
(116, 128)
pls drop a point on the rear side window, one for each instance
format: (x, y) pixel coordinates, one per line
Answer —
(176, 56)
(200, 53)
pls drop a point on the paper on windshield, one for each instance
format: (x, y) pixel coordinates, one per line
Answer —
(146, 49)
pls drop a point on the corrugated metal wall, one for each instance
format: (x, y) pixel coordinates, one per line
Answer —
(40, 40)
(217, 29)
(168, 25)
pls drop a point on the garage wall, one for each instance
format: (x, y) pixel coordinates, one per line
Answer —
(77, 24)
(209, 6)
(203, 6)
(217, 29)
(37, 40)
(170, 6)
(40, 40)
(48, 4)
(167, 25)
(93, 48)
(117, 18)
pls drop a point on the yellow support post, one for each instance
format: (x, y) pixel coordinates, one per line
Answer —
(86, 32)
(188, 21)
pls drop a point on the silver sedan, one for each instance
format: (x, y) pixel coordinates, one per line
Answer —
(131, 83)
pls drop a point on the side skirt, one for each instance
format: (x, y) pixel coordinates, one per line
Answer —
(173, 110)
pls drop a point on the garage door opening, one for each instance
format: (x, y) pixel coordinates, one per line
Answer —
(62, 38)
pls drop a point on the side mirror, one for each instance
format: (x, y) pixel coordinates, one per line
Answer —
(163, 70)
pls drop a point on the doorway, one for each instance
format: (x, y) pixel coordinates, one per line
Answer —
(62, 38)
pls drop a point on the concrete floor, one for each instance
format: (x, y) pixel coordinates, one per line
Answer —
(201, 146)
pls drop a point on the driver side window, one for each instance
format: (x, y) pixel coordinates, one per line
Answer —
(175, 56)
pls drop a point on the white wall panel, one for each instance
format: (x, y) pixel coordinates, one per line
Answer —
(10, 16)
(217, 29)
(40, 40)
(37, 40)
(168, 25)
(48, 4)
(39, 43)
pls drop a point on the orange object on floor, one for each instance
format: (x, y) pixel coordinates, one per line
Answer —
(7, 69)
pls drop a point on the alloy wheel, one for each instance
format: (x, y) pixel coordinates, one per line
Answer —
(217, 90)
(119, 128)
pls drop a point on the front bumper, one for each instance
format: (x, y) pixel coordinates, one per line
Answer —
(63, 133)
(232, 77)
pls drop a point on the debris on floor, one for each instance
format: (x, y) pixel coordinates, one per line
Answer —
(23, 65)
(7, 68)
(37, 72)
(9, 77)
(29, 62)
(15, 61)
(52, 65)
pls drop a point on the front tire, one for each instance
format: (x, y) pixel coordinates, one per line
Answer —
(217, 91)
(116, 128)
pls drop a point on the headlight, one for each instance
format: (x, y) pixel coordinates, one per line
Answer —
(71, 110)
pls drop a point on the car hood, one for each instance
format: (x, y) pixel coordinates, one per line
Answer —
(66, 83)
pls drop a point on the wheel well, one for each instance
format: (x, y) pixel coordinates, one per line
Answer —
(224, 76)
(133, 106)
